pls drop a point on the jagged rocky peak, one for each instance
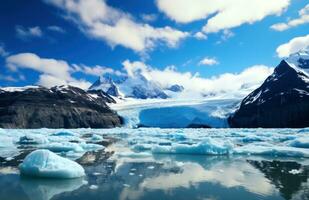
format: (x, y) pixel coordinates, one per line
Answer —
(281, 101)
(56, 107)
(107, 85)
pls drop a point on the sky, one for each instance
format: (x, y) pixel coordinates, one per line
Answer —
(212, 44)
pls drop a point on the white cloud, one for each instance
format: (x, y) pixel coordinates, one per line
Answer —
(149, 17)
(208, 61)
(200, 36)
(53, 72)
(95, 70)
(3, 52)
(293, 46)
(302, 19)
(221, 14)
(230, 83)
(103, 22)
(56, 29)
(27, 33)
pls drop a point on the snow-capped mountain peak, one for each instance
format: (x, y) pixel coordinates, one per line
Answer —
(107, 85)
(137, 86)
(300, 60)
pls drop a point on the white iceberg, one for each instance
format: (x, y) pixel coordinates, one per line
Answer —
(46, 164)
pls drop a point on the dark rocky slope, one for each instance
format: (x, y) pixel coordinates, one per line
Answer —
(282, 101)
(58, 107)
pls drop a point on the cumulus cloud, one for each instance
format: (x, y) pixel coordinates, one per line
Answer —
(293, 46)
(208, 61)
(229, 83)
(221, 14)
(302, 19)
(26, 33)
(54, 72)
(94, 70)
(56, 29)
(103, 22)
(200, 36)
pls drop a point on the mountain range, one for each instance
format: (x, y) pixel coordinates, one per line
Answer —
(281, 101)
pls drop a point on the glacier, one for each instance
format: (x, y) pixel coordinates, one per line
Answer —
(174, 113)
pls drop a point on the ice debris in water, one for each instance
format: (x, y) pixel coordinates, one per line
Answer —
(46, 164)
(302, 142)
(295, 171)
(64, 133)
(96, 137)
(32, 139)
(206, 147)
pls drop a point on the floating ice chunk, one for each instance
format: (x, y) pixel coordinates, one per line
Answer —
(302, 142)
(150, 167)
(207, 147)
(252, 138)
(32, 139)
(63, 147)
(272, 150)
(93, 187)
(46, 164)
(96, 137)
(64, 133)
(91, 147)
(304, 130)
(295, 171)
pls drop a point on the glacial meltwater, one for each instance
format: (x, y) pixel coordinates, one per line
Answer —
(153, 163)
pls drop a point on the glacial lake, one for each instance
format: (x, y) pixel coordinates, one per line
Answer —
(152, 163)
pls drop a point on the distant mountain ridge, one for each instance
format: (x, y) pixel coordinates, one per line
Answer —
(281, 101)
(138, 87)
(56, 107)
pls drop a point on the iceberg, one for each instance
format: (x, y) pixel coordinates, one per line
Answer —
(46, 164)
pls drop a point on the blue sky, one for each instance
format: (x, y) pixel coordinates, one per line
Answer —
(158, 33)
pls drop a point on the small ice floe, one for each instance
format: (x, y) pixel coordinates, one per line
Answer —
(208, 146)
(64, 133)
(93, 187)
(63, 147)
(96, 137)
(46, 164)
(150, 167)
(32, 139)
(131, 174)
(295, 171)
(301, 142)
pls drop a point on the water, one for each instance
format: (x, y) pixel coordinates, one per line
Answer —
(166, 164)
